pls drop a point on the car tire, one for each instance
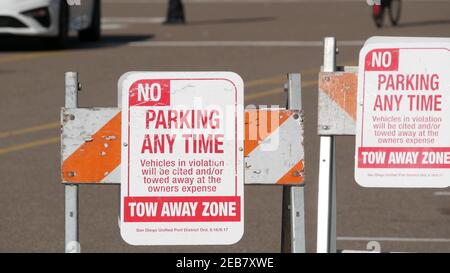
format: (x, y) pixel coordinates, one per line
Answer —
(62, 38)
(93, 32)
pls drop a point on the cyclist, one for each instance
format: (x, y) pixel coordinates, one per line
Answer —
(393, 7)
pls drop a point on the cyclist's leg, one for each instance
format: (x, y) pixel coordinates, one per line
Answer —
(378, 14)
(395, 7)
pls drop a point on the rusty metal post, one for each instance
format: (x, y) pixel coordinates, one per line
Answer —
(72, 244)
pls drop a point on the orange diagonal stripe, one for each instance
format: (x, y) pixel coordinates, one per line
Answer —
(341, 88)
(95, 159)
(294, 175)
(259, 124)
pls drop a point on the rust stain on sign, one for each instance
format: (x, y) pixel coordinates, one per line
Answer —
(294, 175)
(341, 88)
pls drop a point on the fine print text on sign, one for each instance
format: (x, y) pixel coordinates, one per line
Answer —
(182, 158)
(403, 116)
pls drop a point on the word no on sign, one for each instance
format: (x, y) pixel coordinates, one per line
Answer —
(182, 158)
(403, 117)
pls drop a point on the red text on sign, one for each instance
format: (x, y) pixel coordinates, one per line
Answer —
(182, 119)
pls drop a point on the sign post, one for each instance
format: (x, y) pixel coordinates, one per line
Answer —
(182, 158)
(293, 214)
(297, 193)
(403, 113)
(72, 245)
(326, 207)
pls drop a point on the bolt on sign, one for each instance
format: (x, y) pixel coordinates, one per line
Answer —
(182, 158)
(403, 115)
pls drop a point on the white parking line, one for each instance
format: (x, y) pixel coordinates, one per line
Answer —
(133, 20)
(113, 26)
(441, 193)
(396, 239)
(239, 43)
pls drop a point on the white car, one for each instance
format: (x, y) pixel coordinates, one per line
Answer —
(51, 18)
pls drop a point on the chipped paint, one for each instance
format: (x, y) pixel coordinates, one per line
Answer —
(337, 102)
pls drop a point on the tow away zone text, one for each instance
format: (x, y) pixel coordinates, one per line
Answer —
(393, 157)
(182, 209)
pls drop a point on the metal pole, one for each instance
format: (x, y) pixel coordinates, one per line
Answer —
(326, 218)
(71, 191)
(293, 196)
(286, 245)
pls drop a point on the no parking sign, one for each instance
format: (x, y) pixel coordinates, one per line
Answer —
(182, 158)
(403, 113)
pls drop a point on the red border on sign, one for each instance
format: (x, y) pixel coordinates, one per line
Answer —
(364, 91)
(235, 125)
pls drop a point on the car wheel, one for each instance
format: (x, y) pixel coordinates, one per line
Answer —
(93, 32)
(61, 40)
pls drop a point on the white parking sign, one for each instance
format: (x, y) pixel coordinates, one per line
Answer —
(182, 158)
(403, 116)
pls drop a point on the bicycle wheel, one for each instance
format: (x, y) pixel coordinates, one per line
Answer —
(378, 15)
(395, 9)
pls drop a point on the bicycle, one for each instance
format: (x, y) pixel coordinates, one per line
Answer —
(394, 10)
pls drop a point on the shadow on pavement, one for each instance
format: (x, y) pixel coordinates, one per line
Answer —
(232, 21)
(425, 23)
(20, 43)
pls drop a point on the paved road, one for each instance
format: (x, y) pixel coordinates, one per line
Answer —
(32, 92)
